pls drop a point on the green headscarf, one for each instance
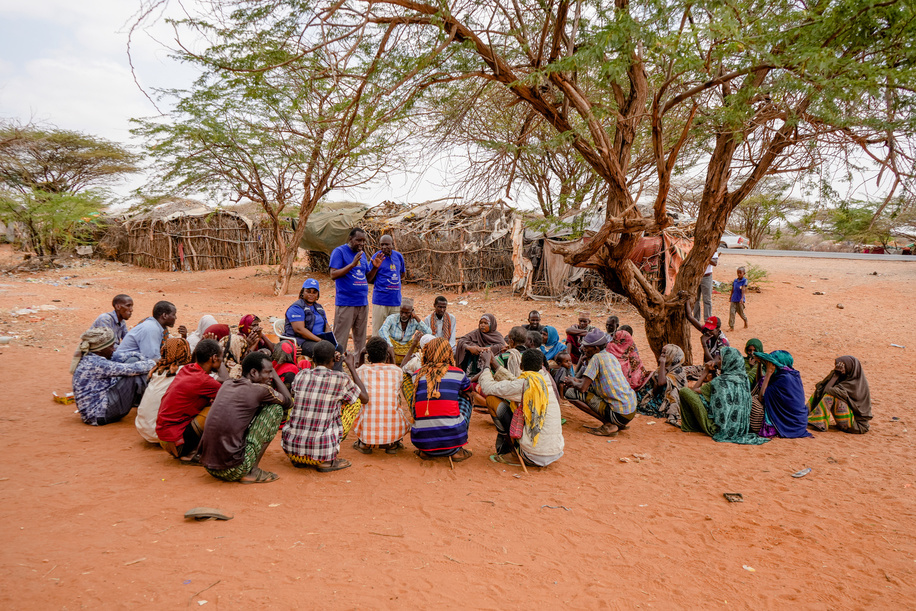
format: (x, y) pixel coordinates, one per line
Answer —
(730, 402)
(756, 343)
(751, 368)
(780, 358)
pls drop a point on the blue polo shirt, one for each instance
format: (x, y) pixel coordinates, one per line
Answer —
(737, 285)
(387, 281)
(353, 288)
(313, 316)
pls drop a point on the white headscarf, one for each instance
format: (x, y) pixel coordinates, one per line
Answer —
(194, 337)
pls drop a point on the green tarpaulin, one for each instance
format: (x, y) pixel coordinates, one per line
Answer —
(329, 227)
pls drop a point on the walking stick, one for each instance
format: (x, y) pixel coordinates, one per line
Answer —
(520, 459)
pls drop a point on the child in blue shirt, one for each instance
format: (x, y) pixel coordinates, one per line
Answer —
(738, 299)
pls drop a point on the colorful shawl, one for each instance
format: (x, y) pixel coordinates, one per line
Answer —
(851, 387)
(730, 402)
(437, 358)
(446, 324)
(624, 349)
(553, 346)
(219, 330)
(246, 323)
(751, 368)
(476, 338)
(666, 404)
(175, 353)
(93, 340)
(284, 358)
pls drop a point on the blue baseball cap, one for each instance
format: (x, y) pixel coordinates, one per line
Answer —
(311, 283)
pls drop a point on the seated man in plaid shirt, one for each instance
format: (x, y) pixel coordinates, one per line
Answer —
(382, 422)
(326, 405)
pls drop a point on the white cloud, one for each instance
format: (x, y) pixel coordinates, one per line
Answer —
(94, 96)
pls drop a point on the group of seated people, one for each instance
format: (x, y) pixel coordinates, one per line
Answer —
(218, 396)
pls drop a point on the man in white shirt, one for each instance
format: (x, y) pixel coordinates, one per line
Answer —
(704, 291)
(541, 436)
(441, 322)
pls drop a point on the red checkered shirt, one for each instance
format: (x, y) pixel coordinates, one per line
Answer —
(381, 420)
(314, 428)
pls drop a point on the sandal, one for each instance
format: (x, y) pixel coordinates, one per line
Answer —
(359, 446)
(260, 477)
(462, 454)
(424, 455)
(394, 447)
(601, 431)
(498, 458)
(206, 513)
(336, 465)
(193, 460)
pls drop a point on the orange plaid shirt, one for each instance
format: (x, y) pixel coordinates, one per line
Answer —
(382, 421)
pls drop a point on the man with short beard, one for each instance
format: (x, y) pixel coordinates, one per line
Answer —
(399, 329)
(386, 294)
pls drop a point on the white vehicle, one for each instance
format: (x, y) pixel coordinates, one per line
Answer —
(733, 240)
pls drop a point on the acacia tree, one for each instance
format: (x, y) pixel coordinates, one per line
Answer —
(757, 87)
(866, 221)
(275, 118)
(770, 204)
(51, 178)
(511, 149)
(748, 88)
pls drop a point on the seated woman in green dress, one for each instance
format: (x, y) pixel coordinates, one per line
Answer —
(722, 407)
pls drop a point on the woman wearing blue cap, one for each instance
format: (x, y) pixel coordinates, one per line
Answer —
(306, 319)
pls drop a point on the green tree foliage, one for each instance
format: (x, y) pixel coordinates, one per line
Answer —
(275, 118)
(643, 89)
(52, 179)
(758, 216)
(867, 222)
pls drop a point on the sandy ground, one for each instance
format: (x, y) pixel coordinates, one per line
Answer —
(92, 517)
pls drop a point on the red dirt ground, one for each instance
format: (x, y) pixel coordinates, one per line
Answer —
(92, 517)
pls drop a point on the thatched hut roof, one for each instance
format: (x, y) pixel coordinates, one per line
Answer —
(448, 242)
(177, 208)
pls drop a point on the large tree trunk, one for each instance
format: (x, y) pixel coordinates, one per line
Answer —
(287, 258)
(669, 326)
(664, 319)
(285, 272)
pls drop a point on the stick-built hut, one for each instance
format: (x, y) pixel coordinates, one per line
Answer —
(183, 234)
(541, 272)
(446, 243)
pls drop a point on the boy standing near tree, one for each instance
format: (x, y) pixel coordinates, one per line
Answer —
(738, 299)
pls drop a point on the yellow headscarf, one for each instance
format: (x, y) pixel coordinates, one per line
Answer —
(534, 403)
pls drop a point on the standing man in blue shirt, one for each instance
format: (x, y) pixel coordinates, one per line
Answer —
(352, 273)
(386, 296)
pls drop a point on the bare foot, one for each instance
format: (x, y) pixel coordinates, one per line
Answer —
(745, 324)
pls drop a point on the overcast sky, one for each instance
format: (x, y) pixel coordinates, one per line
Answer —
(65, 62)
